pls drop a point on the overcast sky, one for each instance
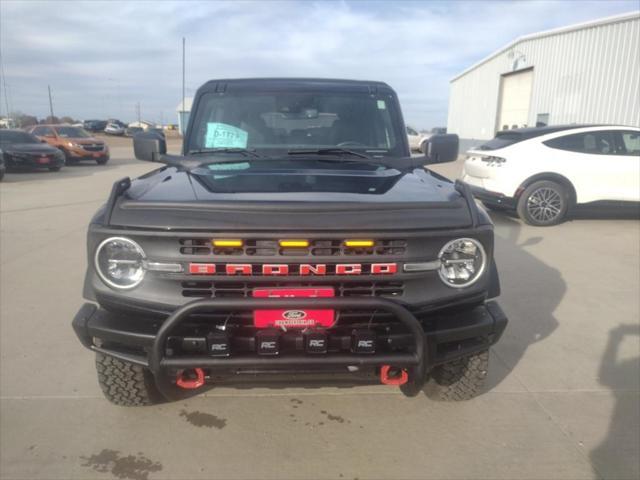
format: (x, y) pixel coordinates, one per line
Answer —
(100, 58)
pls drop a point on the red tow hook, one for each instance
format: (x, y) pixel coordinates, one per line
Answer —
(183, 381)
(398, 376)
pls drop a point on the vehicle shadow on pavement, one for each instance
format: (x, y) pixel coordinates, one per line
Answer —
(618, 456)
(531, 292)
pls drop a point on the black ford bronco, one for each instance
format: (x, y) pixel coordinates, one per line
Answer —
(294, 235)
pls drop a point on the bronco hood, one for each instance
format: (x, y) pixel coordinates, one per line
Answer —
(322, 198)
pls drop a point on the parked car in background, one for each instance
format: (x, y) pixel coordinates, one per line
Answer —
(114, 129)
(94, 126)
(20, 149)
(544, 172)
(416, 139)
(75, 143)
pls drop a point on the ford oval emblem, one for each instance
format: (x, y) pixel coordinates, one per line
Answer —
(294, 314)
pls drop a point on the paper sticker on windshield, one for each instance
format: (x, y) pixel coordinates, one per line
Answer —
(229, 166)
(382, 105)
(221, 135)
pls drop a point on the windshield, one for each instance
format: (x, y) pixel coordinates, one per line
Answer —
(71, 132)
(9, 137)
(277, 122)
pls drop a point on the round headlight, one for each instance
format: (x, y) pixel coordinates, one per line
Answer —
(120, 262)
(462, 261)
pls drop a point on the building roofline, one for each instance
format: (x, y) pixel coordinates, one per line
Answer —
(547, 33)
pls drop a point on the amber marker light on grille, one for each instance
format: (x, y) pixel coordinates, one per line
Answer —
(359, 243)
(294, 243)
(227, 243)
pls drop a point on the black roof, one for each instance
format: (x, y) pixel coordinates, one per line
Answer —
(281, 84)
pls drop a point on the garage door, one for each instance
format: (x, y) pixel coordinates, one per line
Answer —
(515, 98)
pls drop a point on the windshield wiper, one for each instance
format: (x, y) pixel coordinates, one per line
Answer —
(243, 151)
(328, 151)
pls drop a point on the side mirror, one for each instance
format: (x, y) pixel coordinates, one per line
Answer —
(148, 146)
(442, 148)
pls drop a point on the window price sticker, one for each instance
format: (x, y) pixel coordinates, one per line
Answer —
(221, 135)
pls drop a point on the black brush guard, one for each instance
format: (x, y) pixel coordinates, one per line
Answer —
(464, 333)
(413, 362)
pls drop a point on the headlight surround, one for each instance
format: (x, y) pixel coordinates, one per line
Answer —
(120, 263)
(462, 262)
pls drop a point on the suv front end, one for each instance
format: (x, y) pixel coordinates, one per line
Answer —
(182, 307)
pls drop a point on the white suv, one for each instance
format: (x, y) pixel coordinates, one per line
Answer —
(544, 172)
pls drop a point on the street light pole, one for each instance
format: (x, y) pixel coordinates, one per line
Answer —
(50, 103)
(183, 127)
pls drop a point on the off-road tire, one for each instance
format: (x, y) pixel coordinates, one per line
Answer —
(124, 383)
(461, 379)
(556, 191)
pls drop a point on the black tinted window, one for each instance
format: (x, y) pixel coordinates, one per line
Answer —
(594, 143)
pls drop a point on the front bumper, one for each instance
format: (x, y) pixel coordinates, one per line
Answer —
(34, 161)
(84, 155)
(421, 346)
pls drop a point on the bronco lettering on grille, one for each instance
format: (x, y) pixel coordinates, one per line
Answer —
(305, 269)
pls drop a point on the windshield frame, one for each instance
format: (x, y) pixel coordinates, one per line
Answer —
(400, 149)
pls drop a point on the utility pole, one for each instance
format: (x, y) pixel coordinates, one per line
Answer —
(183, 88)
(50, 103)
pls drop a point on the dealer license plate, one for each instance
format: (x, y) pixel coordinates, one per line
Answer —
(294, 318)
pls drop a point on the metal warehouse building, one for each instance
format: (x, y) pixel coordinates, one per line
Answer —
(586, 73)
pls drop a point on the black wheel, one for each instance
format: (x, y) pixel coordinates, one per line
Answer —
(1, 175)
(544, 203)
(461, 379)
(55, 169)
(67, 159)
(125, 384)
(102, 161)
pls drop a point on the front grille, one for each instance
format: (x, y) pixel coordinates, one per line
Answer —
(322, 247)
(207, 289)
(93, 147)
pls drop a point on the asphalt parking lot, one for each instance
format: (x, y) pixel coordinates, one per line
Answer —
(563, 402)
